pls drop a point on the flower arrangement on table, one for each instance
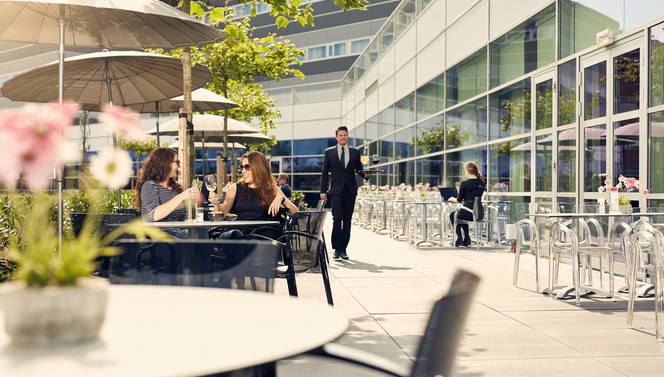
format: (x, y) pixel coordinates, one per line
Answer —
(625, 185)
(500, 186)
(32, 147)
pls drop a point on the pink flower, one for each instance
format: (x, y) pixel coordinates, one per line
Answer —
(31, 143)
(124, 122)
(645, 192)
(631, 181)
(607, 182)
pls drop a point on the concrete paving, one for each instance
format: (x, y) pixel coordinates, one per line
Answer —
(387, 289)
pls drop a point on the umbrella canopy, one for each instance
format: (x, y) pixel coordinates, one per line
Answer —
(201, 100)
(207, 125)
(102, 23)
(199, 145)
(255, 137)
(134, 77)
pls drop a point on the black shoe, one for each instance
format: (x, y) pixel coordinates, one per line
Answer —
(336, 254)
(458, 243)
(343, 255)
(466, 242)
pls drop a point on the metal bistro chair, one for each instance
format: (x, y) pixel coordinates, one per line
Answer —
(527, 238)
(475, 213)
(646, 250)
(437, 350)
(563, 241)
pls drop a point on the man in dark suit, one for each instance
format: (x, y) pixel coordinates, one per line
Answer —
(343, 162)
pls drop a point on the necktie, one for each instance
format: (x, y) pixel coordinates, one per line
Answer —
(343, 157)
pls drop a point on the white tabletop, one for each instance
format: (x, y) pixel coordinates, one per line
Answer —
(207, 224)
(182, 331)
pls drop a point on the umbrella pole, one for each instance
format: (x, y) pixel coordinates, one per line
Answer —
(61, 95)
(156, 110)
(110, 102)
(204, 153)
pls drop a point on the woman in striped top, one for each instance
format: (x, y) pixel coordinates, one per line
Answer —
(159, 196)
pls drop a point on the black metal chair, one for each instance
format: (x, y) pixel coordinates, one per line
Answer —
(304, 249)
(437, 350)
(240, 264)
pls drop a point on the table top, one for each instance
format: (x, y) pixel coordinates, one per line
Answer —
(207, 224)
(163, 331)
(575, 214)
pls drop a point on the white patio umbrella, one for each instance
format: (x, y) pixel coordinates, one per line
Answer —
(206, 125)
(213, 145)
(99, 23)
(117, 77)
(201, 100)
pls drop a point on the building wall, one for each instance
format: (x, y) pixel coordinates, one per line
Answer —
(502, 83)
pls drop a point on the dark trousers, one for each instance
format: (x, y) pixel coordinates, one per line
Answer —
(464, 215)
(343, 205)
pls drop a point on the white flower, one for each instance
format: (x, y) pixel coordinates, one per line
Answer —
(112, 168)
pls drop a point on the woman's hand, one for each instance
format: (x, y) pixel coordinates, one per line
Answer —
(214, 198)
(276, 205)
(191, 193)
(452, 199)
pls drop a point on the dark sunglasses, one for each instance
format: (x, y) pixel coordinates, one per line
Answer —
(177, 162)
(245, 167)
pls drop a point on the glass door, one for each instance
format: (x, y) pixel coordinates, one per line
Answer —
(544, 156)
(612, 114)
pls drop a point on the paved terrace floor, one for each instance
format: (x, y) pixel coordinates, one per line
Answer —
(387, 289)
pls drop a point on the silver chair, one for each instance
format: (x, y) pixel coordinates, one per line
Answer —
(475, 222)
(563, 241)
(527, 240)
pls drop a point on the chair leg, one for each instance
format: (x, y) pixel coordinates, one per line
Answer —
(575, 276)
(517, 255)
(537, 268)
(632, 291)
(322, 250)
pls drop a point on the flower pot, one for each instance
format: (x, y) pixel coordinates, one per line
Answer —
(54, 315)
(625, 209)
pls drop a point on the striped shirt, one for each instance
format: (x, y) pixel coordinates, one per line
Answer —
(153, 195)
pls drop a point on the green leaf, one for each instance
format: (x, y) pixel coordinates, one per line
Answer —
(282, 21)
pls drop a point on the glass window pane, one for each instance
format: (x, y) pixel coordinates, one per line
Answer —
(386, 149)
(626, 149)
(544, 105)
(287, 165)
(340, 49)
(372, 128)
(594, 157)
(359, 134)
(656, 152)
(316, 53)
(430, 171)
(510, 164)
(626, 82)
(544, 162)
(282, 148)
(404, 16)
(303, 182)
(594, 88)
(317, 93)
(405, 173)
(312, 146)
(467, 79)
(454, 164)
(525, 48)
(567, 161)
(357, 47)
(430, 136)
(386, 121)
(307, 164)
(402, 143)
(657, 65)
(386, 36)
(580, 22)
(510, 111)
(372, 149)
(405, 111)
(466, 125)
(430, 97)
(567, 93)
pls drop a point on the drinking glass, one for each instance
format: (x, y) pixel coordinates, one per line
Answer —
(210, 182)
(364, 160)
(375, 159)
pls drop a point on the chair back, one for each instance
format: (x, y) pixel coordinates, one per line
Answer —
(437, 350)
(304, 249)
(320, 205)
(100, 220)
(238, 264)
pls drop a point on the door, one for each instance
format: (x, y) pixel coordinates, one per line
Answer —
(612, 117)
(542, 118)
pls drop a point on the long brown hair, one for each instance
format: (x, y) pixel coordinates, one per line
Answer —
(262, 176)
(157, 167)
(473, 169)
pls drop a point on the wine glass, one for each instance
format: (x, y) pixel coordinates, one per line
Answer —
(364, 160)
(375, 159)
(210, 182)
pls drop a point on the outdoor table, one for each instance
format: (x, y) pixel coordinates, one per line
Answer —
(568, 290)
(425, 237)
(200, 225)
(156, 331)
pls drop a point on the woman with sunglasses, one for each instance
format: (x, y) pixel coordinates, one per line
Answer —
(256, 196)
(159, 196)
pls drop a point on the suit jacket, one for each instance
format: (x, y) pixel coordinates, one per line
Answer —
(340, 176)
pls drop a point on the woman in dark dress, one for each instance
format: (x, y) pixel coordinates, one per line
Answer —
(256, 197)
(471, 188)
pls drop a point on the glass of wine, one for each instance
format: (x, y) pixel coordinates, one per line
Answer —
(375, 159)
(364, 160)
(210, 182)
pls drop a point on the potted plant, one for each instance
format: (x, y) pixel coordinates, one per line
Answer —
(53, 298)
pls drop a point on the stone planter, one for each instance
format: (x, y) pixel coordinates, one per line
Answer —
(54, 315)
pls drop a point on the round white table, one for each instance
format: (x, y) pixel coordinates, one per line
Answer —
(182, 331)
